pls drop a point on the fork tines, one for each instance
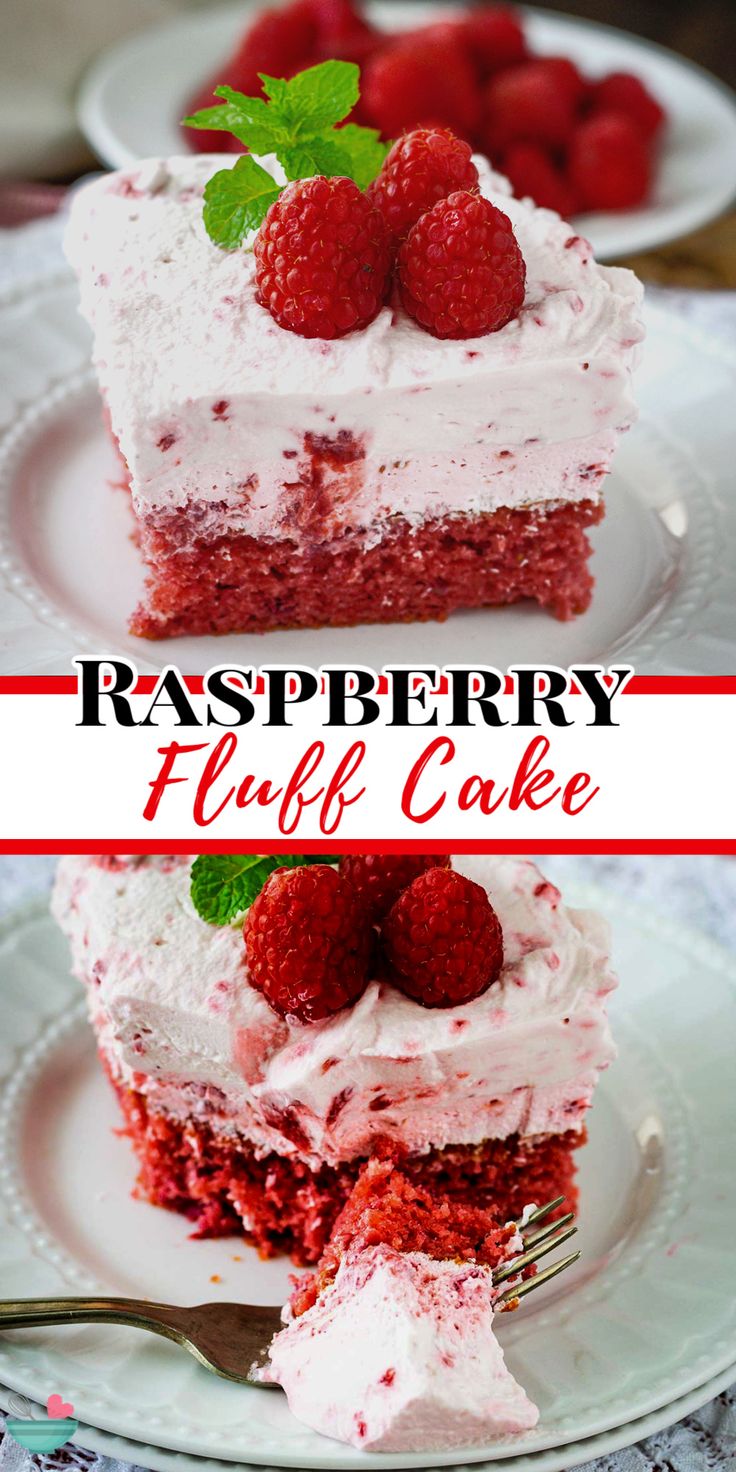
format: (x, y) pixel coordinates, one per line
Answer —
(537, 1243)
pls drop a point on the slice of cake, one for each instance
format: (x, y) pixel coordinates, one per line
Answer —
(390, 1346)
(452, 1018)
(280, 480)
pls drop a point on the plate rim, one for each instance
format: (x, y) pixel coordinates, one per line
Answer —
(102, 136)
(649, 922)
(107, 1443)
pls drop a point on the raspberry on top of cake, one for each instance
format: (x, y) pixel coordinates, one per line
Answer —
(345, 399)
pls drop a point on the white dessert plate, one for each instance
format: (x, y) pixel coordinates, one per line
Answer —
(70, 575)
(134, 95)
(556, 1459)
(645, 1318)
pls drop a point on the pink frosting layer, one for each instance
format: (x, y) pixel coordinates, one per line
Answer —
(176, 1016)
(214, 404)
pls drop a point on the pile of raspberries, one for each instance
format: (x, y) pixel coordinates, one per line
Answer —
(316, 935)
(569, 142)
(327, 254)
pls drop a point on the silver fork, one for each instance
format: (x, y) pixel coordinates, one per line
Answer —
(232, 1339)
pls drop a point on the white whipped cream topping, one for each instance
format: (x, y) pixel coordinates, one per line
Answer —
(399, 1354)
(170, 999)
(445, 426)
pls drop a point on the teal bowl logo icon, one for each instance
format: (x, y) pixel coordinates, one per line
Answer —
(41, 1433)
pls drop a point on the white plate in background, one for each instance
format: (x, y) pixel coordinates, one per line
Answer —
(135, 93)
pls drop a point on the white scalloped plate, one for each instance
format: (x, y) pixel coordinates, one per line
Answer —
(646, 1317)
(557, 1459)
(135, 93)
(664, 560)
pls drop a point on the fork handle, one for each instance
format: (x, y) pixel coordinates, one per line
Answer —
(24, 1313)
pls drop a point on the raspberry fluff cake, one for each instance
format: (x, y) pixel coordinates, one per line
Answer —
(390, 1345)
(351, 432)
(447, 1017)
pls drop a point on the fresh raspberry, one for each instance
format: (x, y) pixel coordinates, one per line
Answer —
(496, 38)
(307, 943)
(323, 258)
(423, 80)
(442, 940)
(422, 167)
(461, 273)
(342, 34)
(609, 164)
(621, 92)
(528, 103)
(566, 75)
(378, 879)
(279, 42)
(532, 172)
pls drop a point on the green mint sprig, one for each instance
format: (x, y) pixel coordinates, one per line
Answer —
(297, 121)
(236, 201)
(224, 885)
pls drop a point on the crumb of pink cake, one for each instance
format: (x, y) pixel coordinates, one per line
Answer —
(390, 1345)
(399, 1354)
(387, 1206)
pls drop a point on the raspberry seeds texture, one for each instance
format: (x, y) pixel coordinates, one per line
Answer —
(442, 940)
(461, 272)
(307, 943)
(323, 258)
(378, 879)
(422, 167)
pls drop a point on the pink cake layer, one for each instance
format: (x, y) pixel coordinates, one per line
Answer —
(282, 1205)
(412, 573)
(201, 581)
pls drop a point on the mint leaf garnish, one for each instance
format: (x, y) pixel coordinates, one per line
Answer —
(365, 149)
(236, 201)
(315, 156)
(316, 98)
(222, 886)
(249, 118)
(297, 121)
